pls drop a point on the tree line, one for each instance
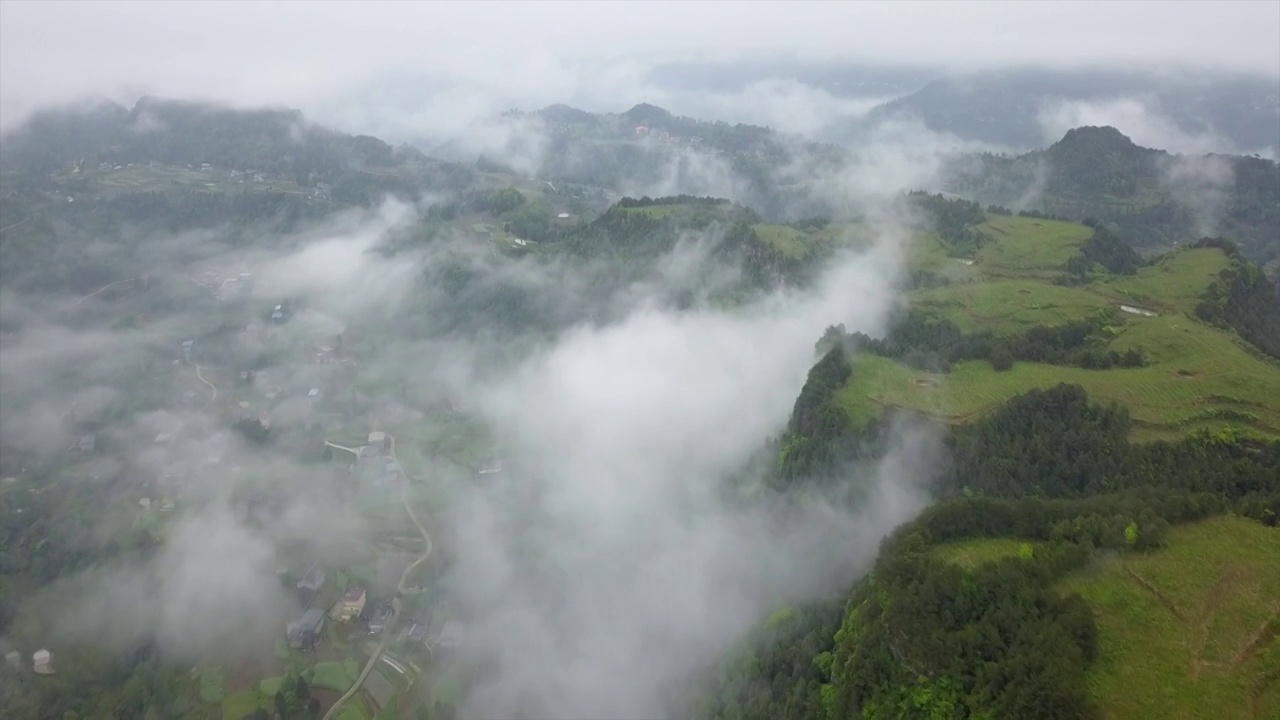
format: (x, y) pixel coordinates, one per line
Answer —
(1243, 299)
(934, 344)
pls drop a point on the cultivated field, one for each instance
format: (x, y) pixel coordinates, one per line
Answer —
(1198, 376)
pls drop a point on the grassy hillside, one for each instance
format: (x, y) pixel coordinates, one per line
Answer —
(1197, 376)
(1184, 632)
(1150, 195)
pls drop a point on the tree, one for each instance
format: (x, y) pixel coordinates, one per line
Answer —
(1001, 360)
(1131, 533)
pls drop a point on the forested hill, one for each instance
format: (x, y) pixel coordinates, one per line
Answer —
(1096, 549)
(261, 143)
(648, 150)
(1155, 199)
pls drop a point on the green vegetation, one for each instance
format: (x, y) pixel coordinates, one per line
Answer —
(269, 686)
(972, 554)
(211, 683)
(1187, 626)
(1103, 548)
(1024, 247)
(336, 676)
(1213, 386)
(792, 243)
(1008, 306)
(1192, 376)
(1097, 172)
(1174, 283)
(1041, 497)
(240, 705)
(1244, 300)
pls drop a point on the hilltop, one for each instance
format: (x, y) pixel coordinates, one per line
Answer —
(1155, 199)
(647, 150)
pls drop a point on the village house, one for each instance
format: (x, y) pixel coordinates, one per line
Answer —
(42, 662)
(350, 607)
(379, 616)
(312, 580)
(304, 633)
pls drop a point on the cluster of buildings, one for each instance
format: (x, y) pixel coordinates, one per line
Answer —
(355, 604)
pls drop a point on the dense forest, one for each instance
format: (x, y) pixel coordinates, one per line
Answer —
(1104, 248)
(953, 219)
(1243, 299)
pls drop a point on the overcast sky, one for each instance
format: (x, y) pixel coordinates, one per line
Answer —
(307, 54)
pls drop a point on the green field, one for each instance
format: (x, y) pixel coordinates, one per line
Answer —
(334, 675)
(239, 705)
(1189, 631)
(787, 240)
(1008, 306)
(659, 211)
(972, 553)
(1028, 247)
(1173, 284)
(143, 178)
(1198, 377)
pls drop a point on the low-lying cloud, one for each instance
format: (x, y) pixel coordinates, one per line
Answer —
(640, 572)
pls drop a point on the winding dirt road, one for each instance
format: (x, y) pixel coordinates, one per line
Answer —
(212, 387)
(395, 602)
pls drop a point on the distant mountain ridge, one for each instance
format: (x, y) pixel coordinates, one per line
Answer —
(181, 132)
(1008, 108)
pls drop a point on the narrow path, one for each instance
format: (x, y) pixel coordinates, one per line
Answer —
(1155, 591)
(96, 292)
(400, 588)
(336, 446)
(212, 387)
(20, 222)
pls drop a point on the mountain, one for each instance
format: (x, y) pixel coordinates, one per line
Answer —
(172, 132)
(1016, 108)
(1155, 199)
(1103, 548)
(837, 78)
(1112, 449)
(647, 150)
